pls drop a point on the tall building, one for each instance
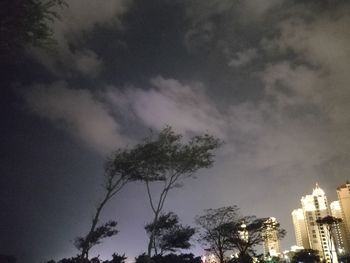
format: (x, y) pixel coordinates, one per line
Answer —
(315, 206)
(343, 192)
(339, 230)
(300, 230)
(272, 245)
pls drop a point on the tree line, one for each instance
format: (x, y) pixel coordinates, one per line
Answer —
(165, 157)
(222, 232)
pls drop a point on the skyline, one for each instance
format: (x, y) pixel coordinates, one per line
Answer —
(269, 77)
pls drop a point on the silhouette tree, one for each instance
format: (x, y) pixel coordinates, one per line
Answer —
(249, 232)
(169, 234)
(225, 230)
(118, 172)
(170, 258)
(213, 235)
(27, 22)
(116, 258)
(95, 237)
(306, 256)
(168, 160)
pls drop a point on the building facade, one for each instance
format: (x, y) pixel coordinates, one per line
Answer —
(315, 206)
(339, 229)
(301, 235)
(343, 192)
(272, 246)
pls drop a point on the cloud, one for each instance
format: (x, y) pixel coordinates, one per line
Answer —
(95, 120)
(299, 126)
(312, 85)
(323, 42)
(253, 10)
(202, 10)
(292, 85)
(323, 54)
(243, 58)
(245, 9)
(78, 112)
(199, 37)
(185, 107)
(83, 15)
(87, 62)
(76, 22)
(300, 121)
(213, 24)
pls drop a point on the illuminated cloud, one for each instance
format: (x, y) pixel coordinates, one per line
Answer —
(79, 113)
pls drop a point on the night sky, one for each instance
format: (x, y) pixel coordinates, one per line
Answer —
(269, 77)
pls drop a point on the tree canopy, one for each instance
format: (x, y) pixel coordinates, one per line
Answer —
(25, 22)
(225, 230)
(306, 256)
(116, 258)
(169, 234)
(166, 158)
(213, 235)
(118, 172)
(170, 258)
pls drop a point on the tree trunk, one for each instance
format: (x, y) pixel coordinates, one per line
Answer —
(151, 242)
(86, 248)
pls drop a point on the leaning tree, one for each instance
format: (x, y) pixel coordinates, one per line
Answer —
(120, 169)
(168, 160)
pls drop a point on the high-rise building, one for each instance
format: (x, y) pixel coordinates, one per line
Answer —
(315, 206)
(300, 230)
(272, 245)
(339, 230)
(343, 192)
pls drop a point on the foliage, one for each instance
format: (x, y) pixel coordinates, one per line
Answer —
(118, 172)
(167, 159)
(306, 256)
(173, 258)
(245, 258)
(224, 230)
(143, 258)
(169, 234)
(170, 258)
(329, 221)
(213, 235)
(94, 237)
(116, 258)
(27, 22)
(256, 231)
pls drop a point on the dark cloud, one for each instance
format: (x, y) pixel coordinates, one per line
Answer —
(78, 112)
(76, 23)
